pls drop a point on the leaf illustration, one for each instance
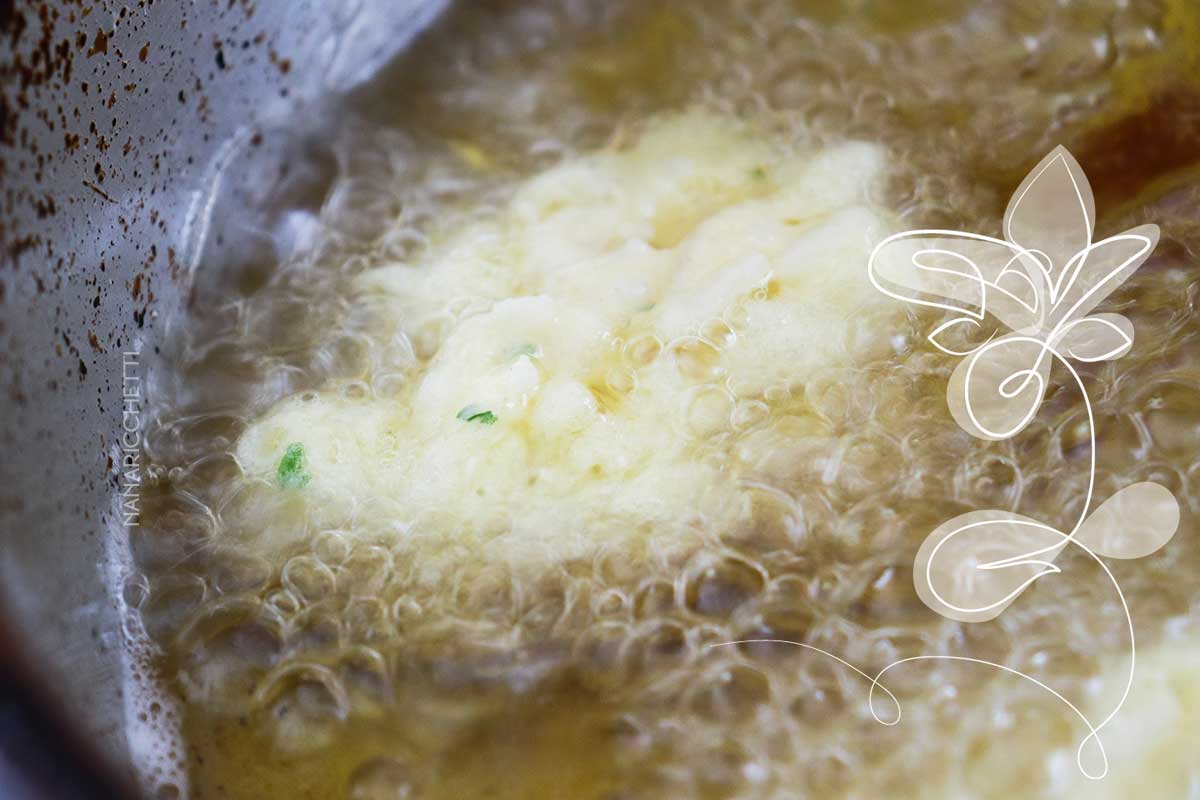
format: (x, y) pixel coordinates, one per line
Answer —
(973, 566)
(1102, 337)
(968, 326)
(1132, 523)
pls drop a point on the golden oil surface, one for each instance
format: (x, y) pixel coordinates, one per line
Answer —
(328, 671)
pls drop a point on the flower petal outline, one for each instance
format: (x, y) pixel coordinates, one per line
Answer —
(996, 391)
(1052, 213)
(1095, 272)
(964, 273)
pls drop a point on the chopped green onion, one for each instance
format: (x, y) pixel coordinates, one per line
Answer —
(473, 413)
(524, 350)
(291, 472)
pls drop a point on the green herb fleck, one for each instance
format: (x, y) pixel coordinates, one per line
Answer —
(474, 413)
(758, 173)
(291, 472)
(524, 350)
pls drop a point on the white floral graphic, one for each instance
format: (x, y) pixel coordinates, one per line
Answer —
(1041, 281)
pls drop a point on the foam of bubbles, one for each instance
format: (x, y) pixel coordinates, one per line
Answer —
(152, 712)
(356, 670)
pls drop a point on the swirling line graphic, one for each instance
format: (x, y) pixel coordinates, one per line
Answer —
(1040, 281)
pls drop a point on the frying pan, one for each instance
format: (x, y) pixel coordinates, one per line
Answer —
(121, 125)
